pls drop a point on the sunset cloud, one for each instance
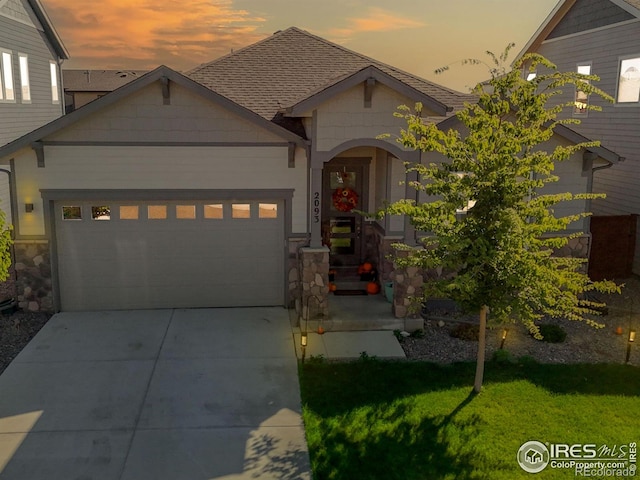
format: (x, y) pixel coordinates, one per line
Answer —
(375, 20)
(143, 34)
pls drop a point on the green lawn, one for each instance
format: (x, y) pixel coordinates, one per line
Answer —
(413, 420)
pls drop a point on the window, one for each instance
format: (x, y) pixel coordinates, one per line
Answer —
(531, 76)
(186, 212)
(268, 210)
(629, 80)
(72, 213)
(24, 78)
(102, 212)
(241, 210)
(581, 101)
(7, 92)
(55, 95)
(157, 212)
(213, 210)
(129, 212)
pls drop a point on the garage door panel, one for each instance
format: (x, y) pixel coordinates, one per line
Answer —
(170, 263)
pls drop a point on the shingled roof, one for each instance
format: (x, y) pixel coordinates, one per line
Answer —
(290, 65)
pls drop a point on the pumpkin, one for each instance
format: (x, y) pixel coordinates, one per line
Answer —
(332, 287)
(619, 331)
(367, 267)
(360, 270)
(373, 288)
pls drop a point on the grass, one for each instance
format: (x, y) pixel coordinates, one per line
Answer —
(373, 419)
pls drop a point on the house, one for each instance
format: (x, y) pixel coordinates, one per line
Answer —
(84, 86)
(31, 53)
(222, 187)
(602, 37)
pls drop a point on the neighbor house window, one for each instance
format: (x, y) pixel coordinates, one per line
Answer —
(531, 76)
(629, 80)
(24, 78)
(55, 95)
(7, 92)
(581, 102)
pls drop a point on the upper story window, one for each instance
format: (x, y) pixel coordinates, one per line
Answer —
(530, 76)
(629, 80)
(55, 94)
(24, 78)
(581, 102)
(7, 93)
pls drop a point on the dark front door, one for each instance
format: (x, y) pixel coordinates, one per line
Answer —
(344, 192)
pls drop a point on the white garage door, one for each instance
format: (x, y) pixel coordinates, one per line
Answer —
(163, 254)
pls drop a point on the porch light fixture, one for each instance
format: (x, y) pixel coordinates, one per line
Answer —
(632, 339)
(505, 332)
(28, 207)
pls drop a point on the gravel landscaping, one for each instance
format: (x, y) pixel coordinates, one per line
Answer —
(16, 330)
(583, 344)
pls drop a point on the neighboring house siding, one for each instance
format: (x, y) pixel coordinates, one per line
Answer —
(617, 126)
(589, 14)
(344, 117)
(18, 118)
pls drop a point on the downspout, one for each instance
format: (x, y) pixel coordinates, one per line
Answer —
(61, 83)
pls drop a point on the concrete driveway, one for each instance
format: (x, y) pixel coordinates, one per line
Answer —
(195, 394)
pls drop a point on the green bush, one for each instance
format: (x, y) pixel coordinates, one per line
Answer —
(502, 356)
(552, 333)
(465, 331)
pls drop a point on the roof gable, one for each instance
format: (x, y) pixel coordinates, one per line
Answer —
(573, 16)
(293, 65)
(162, 74)
(49, 29)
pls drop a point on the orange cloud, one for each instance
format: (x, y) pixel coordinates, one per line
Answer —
(376, 20)
(144, 33)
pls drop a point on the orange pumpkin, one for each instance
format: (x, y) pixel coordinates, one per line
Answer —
(332, 287)
(367, 267)
(619, 331)
(373, 288)
(360, 270)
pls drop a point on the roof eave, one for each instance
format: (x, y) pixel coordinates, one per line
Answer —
(147, 79)
(362, 75)
(50, 30)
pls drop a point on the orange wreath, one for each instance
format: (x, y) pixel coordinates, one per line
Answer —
(345, 199)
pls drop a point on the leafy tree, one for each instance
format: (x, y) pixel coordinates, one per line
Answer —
(5, 244)
(488, 217)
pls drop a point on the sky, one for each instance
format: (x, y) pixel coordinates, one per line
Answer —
(417, 36)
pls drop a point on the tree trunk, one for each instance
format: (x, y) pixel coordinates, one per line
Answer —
(477, 385)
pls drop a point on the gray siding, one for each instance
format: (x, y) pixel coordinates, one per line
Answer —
(18, 118)
(617, 126)
(589, 14)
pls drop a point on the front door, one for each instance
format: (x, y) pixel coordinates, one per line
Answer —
(344, 192)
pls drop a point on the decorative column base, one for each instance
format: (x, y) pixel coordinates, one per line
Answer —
(407, 289)
(33, 275)
(313, 302)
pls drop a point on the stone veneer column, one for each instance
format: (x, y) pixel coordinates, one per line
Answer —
(407, 284)
(33, 275)
(314, 275)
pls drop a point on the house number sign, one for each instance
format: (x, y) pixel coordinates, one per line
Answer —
(316, 207)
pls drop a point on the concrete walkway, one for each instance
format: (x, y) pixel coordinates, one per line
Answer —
(195, 394)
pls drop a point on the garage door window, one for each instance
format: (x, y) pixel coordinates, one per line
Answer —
(268, 210)
(157, 212)
(129, 212)
(186, 212)
(214, 210)
(72, 213)
(241, 210)
(102, 212)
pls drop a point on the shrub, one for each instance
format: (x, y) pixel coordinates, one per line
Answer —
(465, 331)
(552, 333)
(502, 356)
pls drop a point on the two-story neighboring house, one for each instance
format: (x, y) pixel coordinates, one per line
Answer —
(84, 86)
(31, 94)
(602, 37)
